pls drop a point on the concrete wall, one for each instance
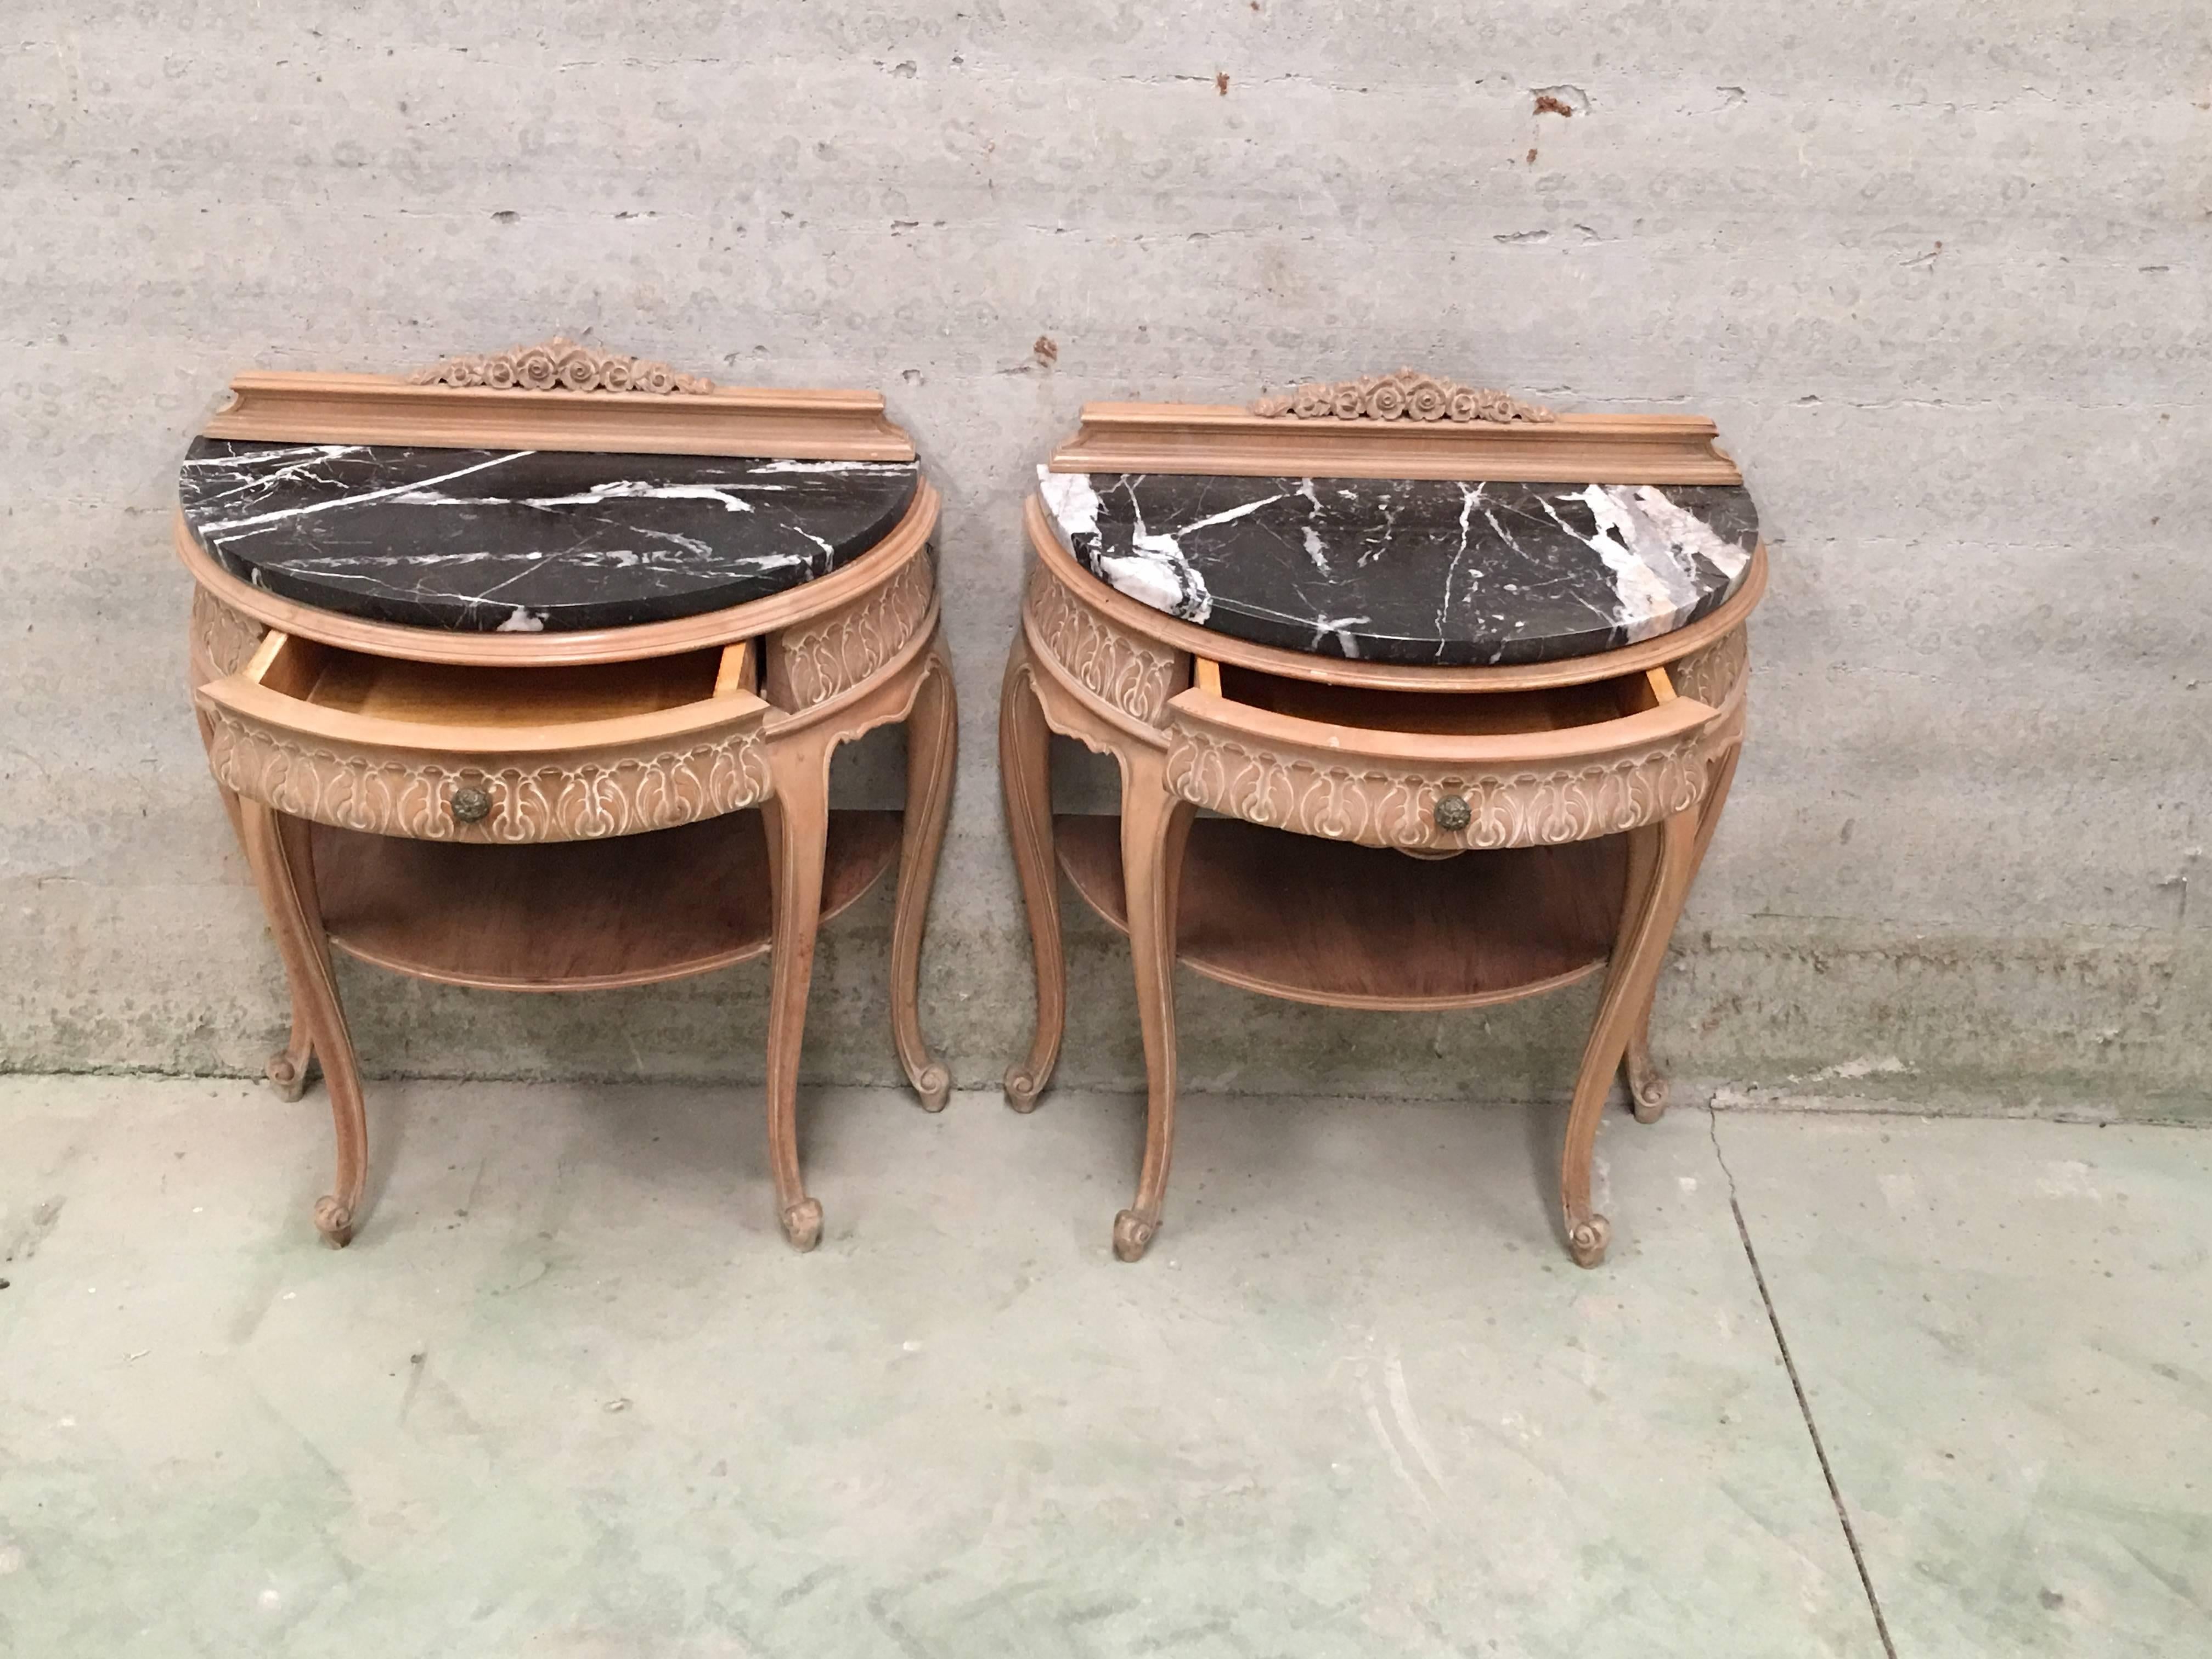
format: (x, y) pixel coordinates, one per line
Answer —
(1939, 271)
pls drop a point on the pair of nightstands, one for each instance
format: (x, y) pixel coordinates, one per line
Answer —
(526, 674)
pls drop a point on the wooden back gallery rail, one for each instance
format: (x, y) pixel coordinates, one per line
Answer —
(1496, 715)
(526, 672)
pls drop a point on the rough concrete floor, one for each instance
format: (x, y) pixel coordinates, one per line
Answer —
(570, 1395)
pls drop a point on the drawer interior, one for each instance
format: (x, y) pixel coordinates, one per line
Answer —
(448, 693)
(1470, 714)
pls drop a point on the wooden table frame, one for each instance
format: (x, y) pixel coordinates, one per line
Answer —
(797, 674)
(1132, 683)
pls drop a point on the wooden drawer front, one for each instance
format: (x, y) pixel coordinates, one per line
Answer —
(1132, 676)
(288, 729)
(1383, 787)
(826, 656)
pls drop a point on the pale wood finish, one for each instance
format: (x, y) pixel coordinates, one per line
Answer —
(452, 698)
(1346, 926)
(1145, 647)
(833, 651)
(577, 915)
(734, 672)
(220, 642)
(391, 747)
(1025, 772)
(1155, 826)
(1407, 395)
(907, 540)
(1113, 658)
(283, 869)
(933, 738)
(1603, 778)
(798, 821)
(1383, 787)
(403, 759)
(1223, 439)
(1647, 1084)
(1630, 977)
(767, 422)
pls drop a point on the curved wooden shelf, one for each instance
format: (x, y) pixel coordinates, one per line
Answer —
(1356, 926)
(580, 914)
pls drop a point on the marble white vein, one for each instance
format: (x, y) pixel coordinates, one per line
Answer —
(1410, 570)
(336, 502)
(1071, 501)
(615, 489)
(532, 539)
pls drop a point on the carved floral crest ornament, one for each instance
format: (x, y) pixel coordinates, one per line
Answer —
(561, 365)
(1408, 395)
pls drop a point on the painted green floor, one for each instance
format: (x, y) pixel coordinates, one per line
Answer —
(570, 1395)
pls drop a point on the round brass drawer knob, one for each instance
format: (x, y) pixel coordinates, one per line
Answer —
(472, 806)
(1453, 813)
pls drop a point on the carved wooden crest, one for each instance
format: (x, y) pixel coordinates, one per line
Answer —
(1408, 395)
(561, 365)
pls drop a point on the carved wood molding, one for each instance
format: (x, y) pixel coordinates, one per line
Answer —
(584, 797)
(1711, 674)
(1212, 438)
(561, 365)
(1408, 395)
(764, 421)
(221, 640)
(1121, 668)
(1339, 798)
(814, 661)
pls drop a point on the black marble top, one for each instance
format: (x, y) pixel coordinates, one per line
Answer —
(521, 541)
(1410, 570)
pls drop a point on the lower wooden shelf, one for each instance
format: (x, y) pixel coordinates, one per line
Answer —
(579, 915)
(1322, 921)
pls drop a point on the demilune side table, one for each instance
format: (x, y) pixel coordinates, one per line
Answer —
(1458, 686)
(526, 672)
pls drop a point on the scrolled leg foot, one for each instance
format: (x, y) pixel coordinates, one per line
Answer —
(1587, 1240)
(1647, 1088)
(802, 1225)
(1132, 1236)
(334, 1220)
(934, 1085)
(1022, 1089)
(286, 1074)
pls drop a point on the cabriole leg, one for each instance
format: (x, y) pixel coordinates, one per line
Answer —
(1154, 825)
(1628, 982)
(932, 743)
(1647, 1089)
(287, 1069)
(277, 848)
(1647, 1086)
(797, 819)
(1025, 774)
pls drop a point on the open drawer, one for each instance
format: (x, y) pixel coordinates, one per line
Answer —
(1440, 771)
(442, 752)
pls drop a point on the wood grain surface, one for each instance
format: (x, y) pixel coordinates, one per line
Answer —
(1362, 928)
(576, 915)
